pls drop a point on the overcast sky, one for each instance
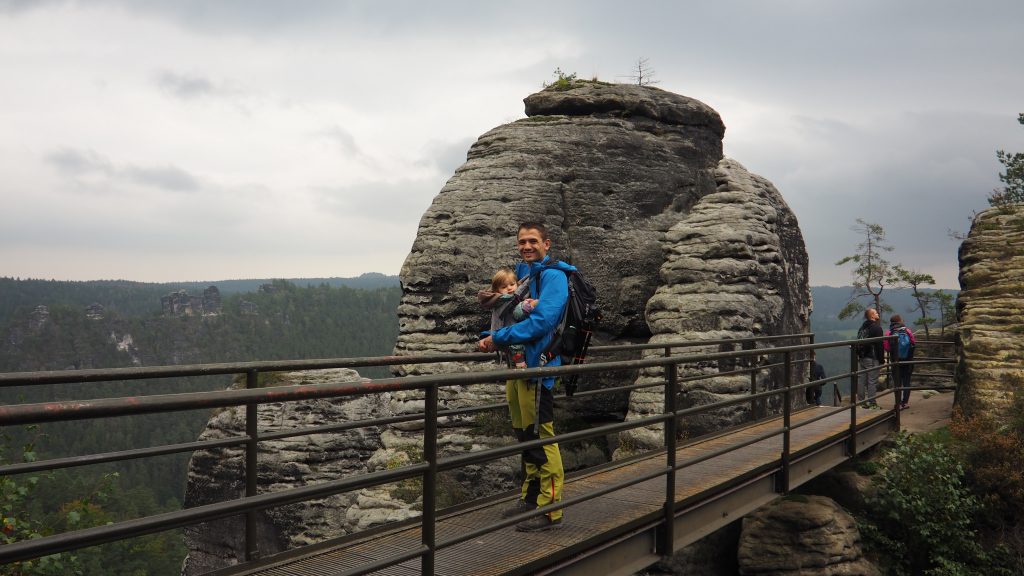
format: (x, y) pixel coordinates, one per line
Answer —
(172, 140)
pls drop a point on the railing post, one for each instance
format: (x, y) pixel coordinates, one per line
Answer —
(753, 390)
(665, 547)
(430, 480)
(787, 409)
(251, 449)
(854, 366)
(897, 387)
(810, 368)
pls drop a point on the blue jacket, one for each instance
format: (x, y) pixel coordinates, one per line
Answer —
(535, 331)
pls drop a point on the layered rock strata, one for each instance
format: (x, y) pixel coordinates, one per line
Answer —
(735, 267)
(219, 474)
(990, 308)
(803, 535)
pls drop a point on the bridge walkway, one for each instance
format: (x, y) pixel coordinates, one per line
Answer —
(617, 532)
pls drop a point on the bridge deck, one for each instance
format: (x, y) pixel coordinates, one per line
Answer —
(602, 522)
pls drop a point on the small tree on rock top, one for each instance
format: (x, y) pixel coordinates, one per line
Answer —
(871, 272)
(925, 301)
(1013, 179)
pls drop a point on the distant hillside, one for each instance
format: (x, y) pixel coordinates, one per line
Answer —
(141, 299)
(367, 281)
(827, 326)
(829, 300)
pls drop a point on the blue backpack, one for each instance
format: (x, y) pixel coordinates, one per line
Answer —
(904, 346)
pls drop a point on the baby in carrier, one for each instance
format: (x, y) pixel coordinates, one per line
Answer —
(505, 299)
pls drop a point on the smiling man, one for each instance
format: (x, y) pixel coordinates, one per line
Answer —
(531, 401)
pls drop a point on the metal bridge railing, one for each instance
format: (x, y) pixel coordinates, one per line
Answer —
(427, 470)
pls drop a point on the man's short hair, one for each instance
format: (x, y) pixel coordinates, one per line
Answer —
(534, 226)
(867, 313)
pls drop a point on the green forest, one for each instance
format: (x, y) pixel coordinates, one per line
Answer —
(277, 320)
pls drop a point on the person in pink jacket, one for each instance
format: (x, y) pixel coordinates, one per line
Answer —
(905, 352)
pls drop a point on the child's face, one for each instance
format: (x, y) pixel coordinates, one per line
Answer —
(508, 288)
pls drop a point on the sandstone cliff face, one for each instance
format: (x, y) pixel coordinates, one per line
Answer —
(990, 307)
(219, 475)
(734, 267)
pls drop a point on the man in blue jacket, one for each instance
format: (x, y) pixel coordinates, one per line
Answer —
(530, 401)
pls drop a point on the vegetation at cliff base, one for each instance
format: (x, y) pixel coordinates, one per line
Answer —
(951, 502)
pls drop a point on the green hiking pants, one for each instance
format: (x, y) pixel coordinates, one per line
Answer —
(544, 474)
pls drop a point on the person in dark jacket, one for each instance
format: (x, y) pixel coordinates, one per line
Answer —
(904, 368)
(871, 357)
(813, 393)
(531, 403)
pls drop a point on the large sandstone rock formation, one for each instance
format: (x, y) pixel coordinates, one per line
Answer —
(805, 535)
(990, 308)
(632, 185)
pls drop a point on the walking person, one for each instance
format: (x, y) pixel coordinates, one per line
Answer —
(531, 402)
(870, 358)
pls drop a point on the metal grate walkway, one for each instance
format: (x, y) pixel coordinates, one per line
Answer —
(615, 533)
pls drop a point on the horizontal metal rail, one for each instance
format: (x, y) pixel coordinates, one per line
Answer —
(112, 407)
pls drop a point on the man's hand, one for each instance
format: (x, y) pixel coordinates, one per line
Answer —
(487, 345)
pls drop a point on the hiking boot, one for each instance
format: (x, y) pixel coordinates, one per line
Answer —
(539, 524)
(520, 507)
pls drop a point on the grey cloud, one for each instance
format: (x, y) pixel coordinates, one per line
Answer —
(262, 16)
(15, 6)
(343, 139)
(184, 86)
(71, 162)
(446, 157)
(403, 201)
(169, 178)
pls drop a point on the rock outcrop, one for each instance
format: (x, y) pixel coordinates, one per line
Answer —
(219, 474)
(735, 267)
(632, 186)
(609, 170)
(990, 308)
(802, 535)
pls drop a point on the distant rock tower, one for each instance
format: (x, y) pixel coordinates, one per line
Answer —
(990, 307)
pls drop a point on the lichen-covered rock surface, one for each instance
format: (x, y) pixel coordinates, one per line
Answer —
(990, 307)
(802, 536)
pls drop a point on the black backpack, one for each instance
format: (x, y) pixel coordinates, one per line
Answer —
(572, 336)
(864, 350)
